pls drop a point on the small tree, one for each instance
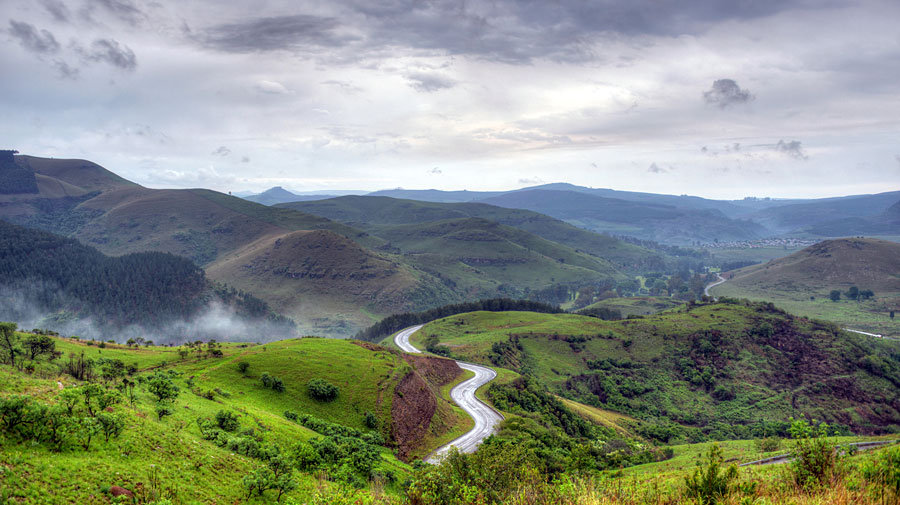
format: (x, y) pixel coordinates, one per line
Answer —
(243, 366)
(162, 410)
(277, 385)
(110, 424)
(709, 484)
(266, 379)
(161, 385)
(228, 420)
(835, 295)
(9, 343)
(853, 293)
(87, 428)
(257, 481)
(38, 345)
(371, 421)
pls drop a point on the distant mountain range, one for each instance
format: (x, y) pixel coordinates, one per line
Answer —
(668, 219)
(330, 277)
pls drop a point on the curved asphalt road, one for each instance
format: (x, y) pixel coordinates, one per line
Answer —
(714, 284)
(463, 394)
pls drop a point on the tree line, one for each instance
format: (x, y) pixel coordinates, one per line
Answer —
(397, 322)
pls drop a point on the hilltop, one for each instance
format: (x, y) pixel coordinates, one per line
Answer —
(82, 200)
(377, 214)
(803, 282)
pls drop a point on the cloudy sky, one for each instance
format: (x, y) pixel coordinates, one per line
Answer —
(715, 98)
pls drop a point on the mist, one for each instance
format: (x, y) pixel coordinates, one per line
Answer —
(28, 306)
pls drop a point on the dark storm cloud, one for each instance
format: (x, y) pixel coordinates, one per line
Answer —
(510, 31)
(110, 51)
(122, 9)
(726, 92)
(794, 149)
(57, 9)
(32, 39)
(273, 33)
(427, 82)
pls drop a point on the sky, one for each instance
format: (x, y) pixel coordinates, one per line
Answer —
(715, 98)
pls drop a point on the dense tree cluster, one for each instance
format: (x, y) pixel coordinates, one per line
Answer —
(397, 322)
(14, 178)
(145, 288)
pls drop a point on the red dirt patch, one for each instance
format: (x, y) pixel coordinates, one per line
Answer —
(436, 371)
(411, 412)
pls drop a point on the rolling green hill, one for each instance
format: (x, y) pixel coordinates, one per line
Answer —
(391, 405)
(377, 214)
(224, 234)
(803, 281)
(714, 370)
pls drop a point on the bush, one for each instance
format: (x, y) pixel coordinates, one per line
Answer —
(322, 390)
(161, 385)
(277, 385)
(243, 366)
(371, 421)
(709, 485)
(228, 420)
(163, 411)
(816, 460)
(266, 380)
(768, 444)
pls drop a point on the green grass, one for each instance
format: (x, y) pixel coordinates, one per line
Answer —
(638, 305)
(652, 368)
(871, 315)
(202, 472)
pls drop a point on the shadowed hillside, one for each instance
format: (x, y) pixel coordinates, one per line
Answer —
(803, 282)
(376, 214)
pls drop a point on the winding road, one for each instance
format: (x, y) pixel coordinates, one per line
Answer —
(714, 284)
(486, 418)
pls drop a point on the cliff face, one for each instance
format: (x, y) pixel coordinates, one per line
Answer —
(416, 404)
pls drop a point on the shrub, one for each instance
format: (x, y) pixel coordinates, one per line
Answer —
(277, 385)
(243, 366)
(768, 444)
(161, 385)
(371, 421)
(162, 411)
(816, 460)
(322, 390)
(709, 484)
(110, 424)
(290, 415)
(266, 379)
(228, 420)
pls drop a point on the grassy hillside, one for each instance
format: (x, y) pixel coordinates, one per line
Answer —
(329, 283)
(803, 281)
(175, 451)
(718, 369)
(637, 305)
(374, 213)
